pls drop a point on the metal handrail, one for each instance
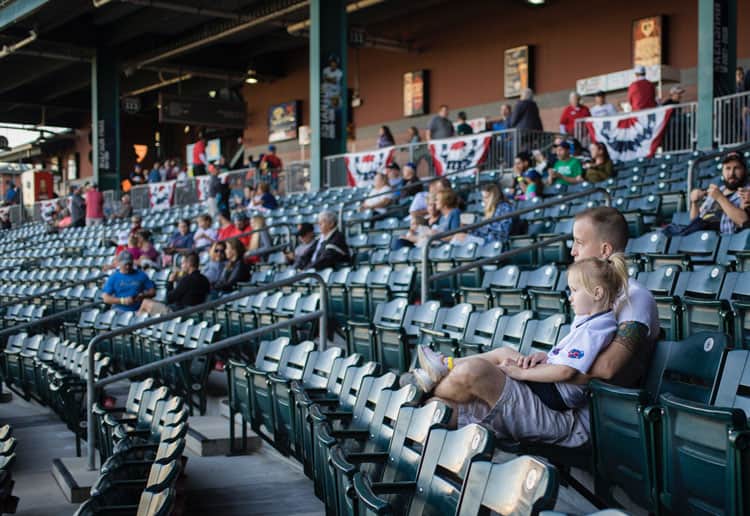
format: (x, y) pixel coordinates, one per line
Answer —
(90, 385)
(248, 233)
(546, 204)
(702, 159)
(390, 192)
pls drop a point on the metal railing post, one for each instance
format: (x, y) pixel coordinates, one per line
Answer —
(425, 293)
(91, 387)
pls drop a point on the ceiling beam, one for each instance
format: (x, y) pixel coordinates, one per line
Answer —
(29, 75)
(16, 11)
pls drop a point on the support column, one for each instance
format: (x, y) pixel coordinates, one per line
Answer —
(105, 120)
(717, 60)
(328, 85)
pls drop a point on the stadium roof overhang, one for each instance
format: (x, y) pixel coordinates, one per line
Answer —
(46, 48)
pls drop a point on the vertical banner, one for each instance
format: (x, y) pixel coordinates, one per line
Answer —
(106, 94)
(361, 167)
(201, 185)
(464, 153)
(160, 195)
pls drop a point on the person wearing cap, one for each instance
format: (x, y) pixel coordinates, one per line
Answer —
(641, 92)
(463, 128)
(127, 287)
(572, 112)
(721, 207)
(270, 167)
(531, 185)
(567, 168)
(77, 207)
(94, 206)
(306, 237)
(411, 185)
(675, 96)
(395, 181)
(601, 107)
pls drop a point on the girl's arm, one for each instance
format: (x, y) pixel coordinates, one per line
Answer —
(545, 373)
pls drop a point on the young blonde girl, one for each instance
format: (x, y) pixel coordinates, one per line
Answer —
(595, 285)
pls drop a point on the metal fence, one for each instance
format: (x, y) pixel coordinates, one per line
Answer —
(504, 145)
(732, 119)
(680, 134)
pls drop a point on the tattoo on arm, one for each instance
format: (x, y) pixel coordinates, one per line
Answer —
(631, 334)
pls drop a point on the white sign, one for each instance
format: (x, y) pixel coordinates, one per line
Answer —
(621, 80)
(303, 135)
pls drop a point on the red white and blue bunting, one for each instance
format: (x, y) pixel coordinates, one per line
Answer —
(631, 136)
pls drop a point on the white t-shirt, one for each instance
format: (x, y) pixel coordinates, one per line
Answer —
(419, 203)
(603, 110)
(204, 237)
(639, 307)
(589, 335)
(369, 203)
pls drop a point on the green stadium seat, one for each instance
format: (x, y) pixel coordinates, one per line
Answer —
(480, 330)
(700, 306)
(662, 283)
(356, 286)
(377, 288)
(515, 299)
(447, 330)
(511, 329)
(699, 248)
(544, 302)
(734, 251)
(739, 300)
(524, 485)
(481, 297)
(542, 335)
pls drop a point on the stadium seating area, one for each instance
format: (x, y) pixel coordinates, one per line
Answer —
(677, 445)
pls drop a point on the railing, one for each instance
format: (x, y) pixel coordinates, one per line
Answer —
(702, 159)
(504, 146)
(295, 177)
(91, 385)
(732, 119)
(679, 136)
(425, 291)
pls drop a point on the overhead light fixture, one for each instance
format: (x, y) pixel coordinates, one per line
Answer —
(536, 2)
(187, 129)
(251, 80)
(212, 94)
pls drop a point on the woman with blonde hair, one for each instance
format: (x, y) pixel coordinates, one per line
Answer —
(495, 205)
(260, 239)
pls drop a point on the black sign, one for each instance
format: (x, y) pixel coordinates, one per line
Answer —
(205, 112)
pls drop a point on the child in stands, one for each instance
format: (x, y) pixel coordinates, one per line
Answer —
(595, 284)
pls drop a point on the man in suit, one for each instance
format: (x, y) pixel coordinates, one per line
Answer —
(525, 114)
(330, 249)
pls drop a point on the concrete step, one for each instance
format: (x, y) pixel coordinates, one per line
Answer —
(208, 436)
(74, 478)
(224, 408)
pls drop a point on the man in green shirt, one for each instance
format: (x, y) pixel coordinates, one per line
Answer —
(566, 169)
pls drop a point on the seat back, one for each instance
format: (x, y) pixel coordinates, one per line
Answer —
(510, 330)
(338, 373)
(352, 384)
(447, 459)
(480, 330)
(391, 313)
(368, 397)
(525, 485)
(319, 367)
(293, 360)
(452, 321)
(541, 335)
(269, 354)
(420, 316)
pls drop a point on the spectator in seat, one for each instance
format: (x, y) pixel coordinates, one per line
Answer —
(720, 207)
(242, 223)
(675, 96)
(566, 169)
(412, 135)
(264, 198)
(306, 236)
(11, 193)
(77, 207)
(463, 128)
(495, 205)
(216, 262)
(477, 388)
(440, 125)
(259, 240)
(5, 222)
(417, 235)
(641, 92)
(385, 137)
(149, 255)
(601, 107)
(530, 184)
(226, 230)
(182, 240)
(127, 287)
(525, 114)
(572, 112)
(94, 206)
(235, 270)
(380, 188)
(205, 235)
(395, 180)
(539, 161)
(136, 176)
(125, 210)
(600, 168)
(330, 249)
(503, 122)
(412, 185)
(450, 215)
(185, 287)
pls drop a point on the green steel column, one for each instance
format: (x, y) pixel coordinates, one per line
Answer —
(105, 120)
(328, 88)
(717, 60)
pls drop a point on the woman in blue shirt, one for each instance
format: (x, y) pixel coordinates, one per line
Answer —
(450, 215)
(495, 205)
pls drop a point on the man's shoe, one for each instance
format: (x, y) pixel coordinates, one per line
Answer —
(432, 363)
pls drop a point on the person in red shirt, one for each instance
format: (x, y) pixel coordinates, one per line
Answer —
(242, 223)
(226, 228)
(572, 112)
(199, 156)
(270, 166)
(641, 92)
(94, 206)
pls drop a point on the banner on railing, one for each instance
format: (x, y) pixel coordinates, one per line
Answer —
(462, 153)
(361, 167)
(160, 195)
(632, 135)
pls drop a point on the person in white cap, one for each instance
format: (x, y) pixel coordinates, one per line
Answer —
(675, 96)
(641, 92)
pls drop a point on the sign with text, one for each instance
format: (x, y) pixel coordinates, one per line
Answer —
(283, 121)
(648, 41)
(517, 70)
(415, 93)
(204, 112)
